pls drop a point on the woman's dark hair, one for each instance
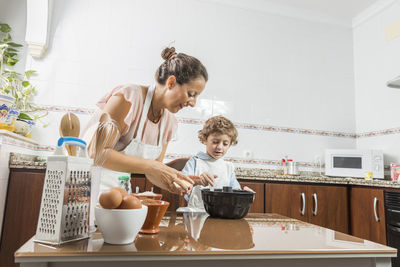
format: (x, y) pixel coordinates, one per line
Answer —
(185, 68)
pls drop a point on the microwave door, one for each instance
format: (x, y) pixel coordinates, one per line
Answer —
(347, 165)
(348, 162)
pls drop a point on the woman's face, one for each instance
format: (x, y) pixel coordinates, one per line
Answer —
(180, 96)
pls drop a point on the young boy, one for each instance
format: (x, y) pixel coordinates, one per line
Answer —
(218, 134)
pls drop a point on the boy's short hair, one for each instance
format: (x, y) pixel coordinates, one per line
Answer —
(219, 125)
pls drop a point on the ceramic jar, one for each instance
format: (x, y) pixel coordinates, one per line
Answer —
(6, 103)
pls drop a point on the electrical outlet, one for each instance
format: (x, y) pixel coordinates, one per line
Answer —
(392, 31)
(247, 154)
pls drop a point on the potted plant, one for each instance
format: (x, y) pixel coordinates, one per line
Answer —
(6, 55)
(17, 88)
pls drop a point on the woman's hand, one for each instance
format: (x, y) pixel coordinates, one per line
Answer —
(204, 179)
(168, 178)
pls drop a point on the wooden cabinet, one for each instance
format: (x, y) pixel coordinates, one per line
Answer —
(21, 212)
(368, 214)
(329, 207)
(286, 199)
(258, 187)
(322, 205)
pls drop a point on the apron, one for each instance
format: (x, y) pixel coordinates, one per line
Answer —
(105, 179)
(218, 167)
(136, 147)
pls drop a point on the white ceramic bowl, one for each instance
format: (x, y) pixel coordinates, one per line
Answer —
(120, 226)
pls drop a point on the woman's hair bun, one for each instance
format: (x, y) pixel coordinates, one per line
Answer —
(168, 53)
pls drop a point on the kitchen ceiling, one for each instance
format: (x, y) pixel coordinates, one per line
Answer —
(344, 9)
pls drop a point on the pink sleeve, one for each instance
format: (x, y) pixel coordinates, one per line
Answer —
(132, 94)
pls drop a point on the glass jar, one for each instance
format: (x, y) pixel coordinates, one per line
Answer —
(125, 183)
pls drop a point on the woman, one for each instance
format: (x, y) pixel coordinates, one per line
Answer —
(131, 131)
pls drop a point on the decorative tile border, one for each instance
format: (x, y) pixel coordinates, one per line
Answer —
(248, 126)
(78, 110)
(378, 133)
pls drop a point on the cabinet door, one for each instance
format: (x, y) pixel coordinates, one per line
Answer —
(258, 204)
(21, 212)
(287, 200)
(139, 182)
(328, 207)
(367, 214)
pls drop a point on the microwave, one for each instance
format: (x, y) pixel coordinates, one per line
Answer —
(354, 162)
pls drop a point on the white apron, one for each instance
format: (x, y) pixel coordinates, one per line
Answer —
(136, 147)
(104, 179)
(219, 167)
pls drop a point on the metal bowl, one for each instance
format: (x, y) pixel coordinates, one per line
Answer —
(227, 203)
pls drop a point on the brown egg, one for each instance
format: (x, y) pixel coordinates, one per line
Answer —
(130, 202)
(121, 190)
(110, 199)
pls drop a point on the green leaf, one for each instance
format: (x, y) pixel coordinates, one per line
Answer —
(24, 116)
(28, 73)
(14, 44)
(10, 54)
(11, 61)
(25, 83)
(11, 72)
(5, 28)
(8, 38)
(9, 49)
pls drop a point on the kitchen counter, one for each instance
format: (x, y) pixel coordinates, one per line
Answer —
(258, 239)
(310, 177)
(37, 162)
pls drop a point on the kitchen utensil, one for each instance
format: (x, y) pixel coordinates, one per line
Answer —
(227, 203)
(70, 126)
(120, 226)
(157, 209)
(64, 209)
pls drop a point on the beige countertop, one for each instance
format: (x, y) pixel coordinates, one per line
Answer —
(196, 234)
(37, 162)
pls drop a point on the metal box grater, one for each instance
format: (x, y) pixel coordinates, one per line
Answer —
(64, 210)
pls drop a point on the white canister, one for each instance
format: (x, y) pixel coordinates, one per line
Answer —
(292, 166)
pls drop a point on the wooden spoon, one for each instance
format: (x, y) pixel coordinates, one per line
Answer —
(70, 126)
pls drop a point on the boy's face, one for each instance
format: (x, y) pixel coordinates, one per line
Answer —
(217, 145)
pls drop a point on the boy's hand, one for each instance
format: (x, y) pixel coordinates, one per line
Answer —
(204, 179)
(248, 189)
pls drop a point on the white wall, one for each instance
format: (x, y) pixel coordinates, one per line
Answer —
(13, 12)
(375, 62)
(264, 68)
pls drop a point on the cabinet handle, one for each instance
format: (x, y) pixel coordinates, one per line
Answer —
(375, 213)
(315, 211)
(303, 200)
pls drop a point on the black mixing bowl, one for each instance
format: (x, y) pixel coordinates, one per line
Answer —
(227, 203)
